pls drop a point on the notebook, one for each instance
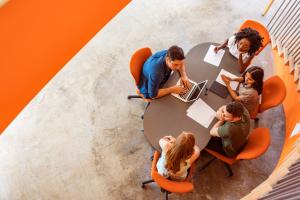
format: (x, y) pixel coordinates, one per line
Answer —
(233, 84)
(212, 57)
(219, 89)
(201, 112)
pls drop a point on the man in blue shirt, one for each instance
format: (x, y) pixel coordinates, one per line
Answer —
(156, 71)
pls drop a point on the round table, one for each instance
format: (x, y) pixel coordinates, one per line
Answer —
(167, 115)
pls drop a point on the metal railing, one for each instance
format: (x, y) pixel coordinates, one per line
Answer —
(284, 29)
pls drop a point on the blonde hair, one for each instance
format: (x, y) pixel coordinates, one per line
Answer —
(181, 150)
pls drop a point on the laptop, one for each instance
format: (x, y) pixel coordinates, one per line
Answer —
(193, 93)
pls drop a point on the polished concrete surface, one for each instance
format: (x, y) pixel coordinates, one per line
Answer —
(80, 138)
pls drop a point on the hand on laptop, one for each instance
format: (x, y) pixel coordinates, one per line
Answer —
(179, 89)
(185, 82)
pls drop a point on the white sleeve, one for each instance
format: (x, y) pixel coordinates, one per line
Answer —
(164, 144)
(231, 41)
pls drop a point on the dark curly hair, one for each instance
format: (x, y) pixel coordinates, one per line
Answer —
(257, 74)
(235, 108)
(253, 36)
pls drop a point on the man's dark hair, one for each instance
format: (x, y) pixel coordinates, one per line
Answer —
(253, 36)
(235, 108)
(175, 53)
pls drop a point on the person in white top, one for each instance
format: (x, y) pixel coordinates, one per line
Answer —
(243, 45)
(178, 154)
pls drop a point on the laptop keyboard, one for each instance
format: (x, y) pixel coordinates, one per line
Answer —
(184, 96)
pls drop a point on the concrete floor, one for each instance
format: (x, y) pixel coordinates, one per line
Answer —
(79, 138)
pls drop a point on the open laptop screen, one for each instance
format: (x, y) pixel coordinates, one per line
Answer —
(197, 91)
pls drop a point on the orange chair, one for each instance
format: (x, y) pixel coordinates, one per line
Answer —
(259, 28)
(258, 143)
(273, 94)
(136, 65)
(167, 185)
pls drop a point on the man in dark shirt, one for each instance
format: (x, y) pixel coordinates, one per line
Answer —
(156, 71)
(230, 133)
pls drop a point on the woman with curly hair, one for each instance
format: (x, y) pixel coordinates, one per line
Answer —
(249, 88)
(177, 156)
(243, 45)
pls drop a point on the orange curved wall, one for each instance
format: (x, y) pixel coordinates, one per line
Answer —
(38, 37)
(291, 104)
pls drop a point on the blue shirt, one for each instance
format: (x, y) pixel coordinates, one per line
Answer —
(154, 75)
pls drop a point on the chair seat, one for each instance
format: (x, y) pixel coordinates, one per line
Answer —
(172, 186)
(273, 94)
(257, 144)
(169, 185)
(225, 159)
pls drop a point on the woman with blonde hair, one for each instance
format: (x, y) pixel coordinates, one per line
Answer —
(177, 156)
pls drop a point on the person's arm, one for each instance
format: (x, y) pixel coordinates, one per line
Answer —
(183, 77)
(156, 92)
(222, 46)
(232, 93)
(220, 117)
(182, 72)
(174, 89)
(237, 79)
(214, 129)
(219, 113)
(243, 65)
(195, 154)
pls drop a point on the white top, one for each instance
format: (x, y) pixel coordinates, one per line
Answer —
(184, 166)
(234, 50)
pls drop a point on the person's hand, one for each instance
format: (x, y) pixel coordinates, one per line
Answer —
(242, 53)
(226, 79)
(179, 89)
(169, 138)
(219, 115)
(216, 49)
(185, 82)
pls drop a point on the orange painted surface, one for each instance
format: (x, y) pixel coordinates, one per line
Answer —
(38, 37)
(291, 104)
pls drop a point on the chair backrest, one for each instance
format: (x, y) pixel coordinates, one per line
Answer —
(259, 28)
(257, 144)
(273, 94)
(137, 61)
(166, 184)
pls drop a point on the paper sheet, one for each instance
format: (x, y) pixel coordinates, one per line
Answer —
(233, 84)
(201, 113)
(296, 130)
(212, 57)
